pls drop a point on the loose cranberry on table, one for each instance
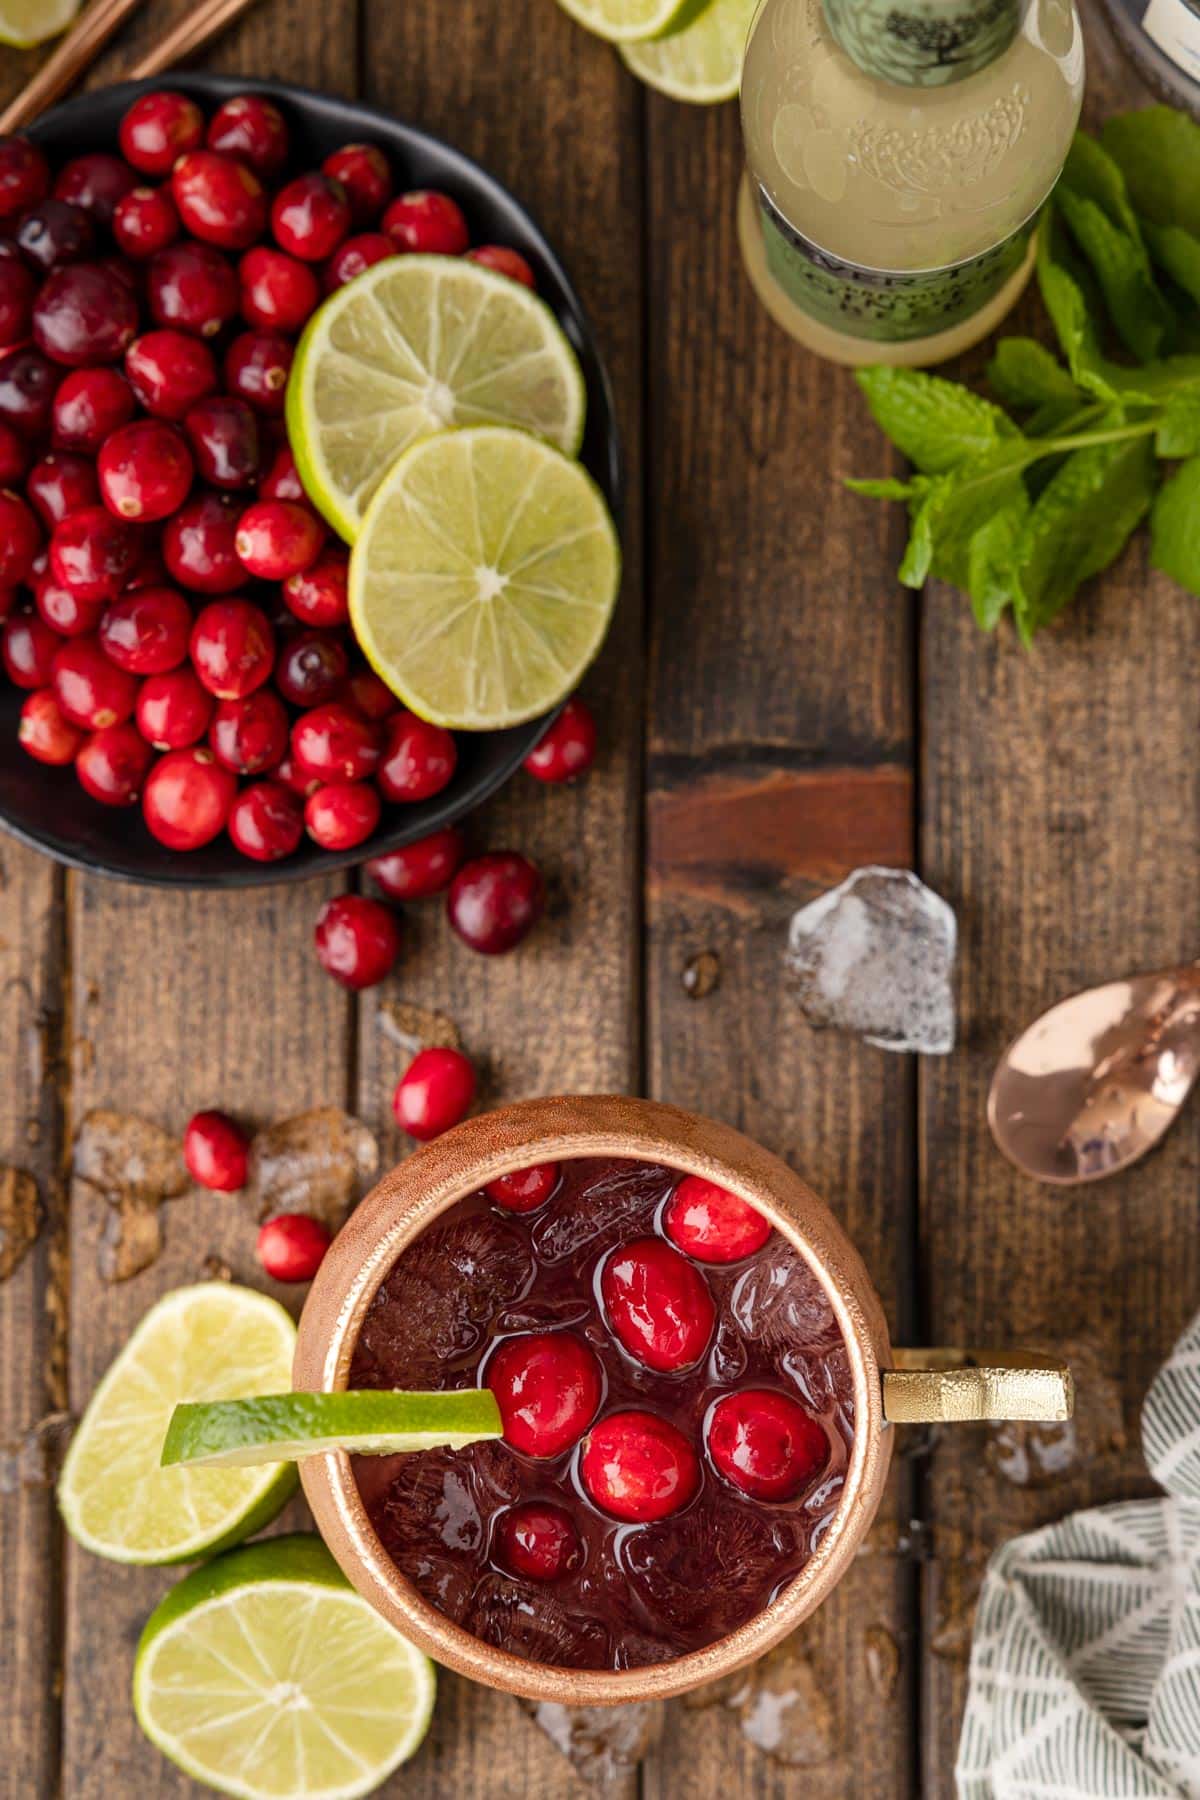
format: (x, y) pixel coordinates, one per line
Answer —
(146, 220)
(147, 632)
(54, 234)
(28, 384)
(568, 747)
(418, 870)
(82, 315)
(292, 1246)
(418, 759)
(17, 291)
(355, 257)
(92, 691)
(278, 292)
(427, 222)
(495, 901)
(311, 668)
(219, 201)
(434, 1093)
(547, 1385)
(61, 482)
(266, 821)
(198, 544)
(256, 369)
(335, 744)
(187, 799)
(638, 1467)
(765, 1444)
(145, 471)
(159, 128)
(232, 648)
(216, 1152)
(88, 406)
(342, 814)
(363, 171)
(505, 262)
(28, 648)
(173, 710)
(45, 732)
(112, 764)
(93, 553)
(317, 595)
(97, 182)
(20, 539)
(278, 538)
(538, 1540)
(357, 940)
(251, 129)
(526, 1190)
(24, 176)
(657, 1304)
(250, 735)
(170, 372)
(711, 1224)
(192, 287)
(310, 217)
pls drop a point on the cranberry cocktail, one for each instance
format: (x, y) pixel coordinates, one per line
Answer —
(677, 1404)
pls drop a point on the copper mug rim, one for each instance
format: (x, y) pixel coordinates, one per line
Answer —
(567, 1128)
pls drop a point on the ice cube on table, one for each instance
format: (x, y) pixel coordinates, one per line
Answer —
(875, 956)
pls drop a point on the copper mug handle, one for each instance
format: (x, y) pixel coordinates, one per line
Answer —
(954, 1387)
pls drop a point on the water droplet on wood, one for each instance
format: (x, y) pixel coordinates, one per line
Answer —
(882, 1654)
(315, 1162)
(416, 1028)
(215, 1268)
(701, 975)
(20, 1217)
(1043, 1454)
(787, 1711)
(604, 1743)
(132, 1166)
(34, 1460)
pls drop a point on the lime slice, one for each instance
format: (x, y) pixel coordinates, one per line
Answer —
(24, 23)
(484, 578)
(283, 1427)
(265, 1675)
(701, 62)
(414, 345)
(625, 21)
(215, 1340)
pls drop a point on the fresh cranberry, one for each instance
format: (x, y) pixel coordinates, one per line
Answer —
(311, 668)
(17, 289)
(277, 292)
(256, 368)
(342, 814)
(713, 1225)
(147, 632)
(526, 1190)
(568, 748)
(310, 217)
(216, 1152)
(198, 544)
(637, 1467)
(192, 288)
(64, 611)
(317, 595)
(251, 734)
(54, 233)
(363, 171)
(83, 314)
(357, 940)
(355, 257)
(252, 129)
(765, 1444)
(266, 821)
(296, 778)
(97, 182)
(417, 870)
(128, 274)
(232, 648)
(505, 262)
(24, 176)
(145, 471)
(282, 479)
(45, 732)
(547, 1385)
(89, 405)
(173, 710)
(92, 691)
(434, 1093)
(292, 1246)
(335, 744)
(538, 1540)
(363, 690)
(28, 647)
(429, 222)
(187, 798)
(150, 569)
(92, 553)
(225, 440)
(278, 538)
(112, 765)
(158, 128)
(9, 598)
(14, 457)
(495, 901)
(419, 758)
(146, 221)
(28, 383)
(20, 539)
(219, 201)
(59, 484)
(657, 1304)
(170, 372)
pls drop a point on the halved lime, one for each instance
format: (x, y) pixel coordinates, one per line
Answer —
(701, 62)
(621, 21)
(24, 23)
(265, 1675)
(484, 577)
(284, 1427)
(415, 344)
(214, 1341)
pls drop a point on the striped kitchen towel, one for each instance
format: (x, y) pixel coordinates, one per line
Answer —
(1085, 1664)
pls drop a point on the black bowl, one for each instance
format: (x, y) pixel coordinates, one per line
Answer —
(46, 807)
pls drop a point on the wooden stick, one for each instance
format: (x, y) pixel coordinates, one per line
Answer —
(187, 37)
(78, 50)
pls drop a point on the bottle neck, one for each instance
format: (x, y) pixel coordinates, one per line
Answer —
(923, 43)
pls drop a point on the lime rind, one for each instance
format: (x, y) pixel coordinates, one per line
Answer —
(27, 23)
(628, 21)
(700, 61)
(286, 1427)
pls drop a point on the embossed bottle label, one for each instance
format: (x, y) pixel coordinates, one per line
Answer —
(1174, 25)
(923, 43)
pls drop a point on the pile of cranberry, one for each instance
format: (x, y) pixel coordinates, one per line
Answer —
(171, 599)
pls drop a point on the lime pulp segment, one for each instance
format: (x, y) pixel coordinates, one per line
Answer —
(285, 1427)
(702, 61)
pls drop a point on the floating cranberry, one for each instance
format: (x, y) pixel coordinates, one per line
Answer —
(292, 1246)
(713, 1225)
(83, 314)
(187, 798)
(232, 648)
(251, 734)
(89, 405)
(112, 765)
(765, 1444)
(357, 940)
(192, 288)
(363, 690)
(170, 372)
(219, 201)
(317, 595)
(145, 221)
(310, 217)
(266, 821)
(17, 289)
(54, 233)
(417, 870)
(93, 553)
(97, 182)
(282, 479)
(256, 369)
(145, 471)
(28, 648)
(24, 176)
(225, 440)
(60, 483)
(216, 1152)
(278, 538)
(92, 691)
(28, 383)
(147, 632)
(277, 292)
(568, 748)
(14, 457)
(538, 1540)
(428, 222)
(342, 814)
(45, 732)
(495, 901)
(355, 257)
(637, 1467)
(252, 129)
(418, 760)
(20, 539)
(64, 611)
(505, 262)
(526, 1190)
(657, 1304)
(311, 668)
(434, 1093)
(158, 128)
(548, 1386)
(335, 744)
(173, 710)
(363, 171)
(198, 544)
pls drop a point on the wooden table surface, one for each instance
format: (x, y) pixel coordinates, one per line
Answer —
(775, 710)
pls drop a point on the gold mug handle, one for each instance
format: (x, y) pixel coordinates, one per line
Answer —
(953, 1387)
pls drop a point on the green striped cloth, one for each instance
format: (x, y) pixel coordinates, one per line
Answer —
(1085, 1664)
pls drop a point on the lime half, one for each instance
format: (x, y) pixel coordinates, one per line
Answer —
(24, 23)
(623, 21)
(284, 1427)
(414, 345)
(265, 1675)
(484, 578)
(702, 62)
(214, 1341)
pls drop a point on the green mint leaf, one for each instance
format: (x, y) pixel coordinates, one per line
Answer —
(1024, 373)
(960, 503)
(1175, 527)
(1080, 523)
(1178, 252)
(937, 424)
(993, 562)
(1158, 153)
(1122, 268)
(1178, 431)
(918, 555)
(1069, 297)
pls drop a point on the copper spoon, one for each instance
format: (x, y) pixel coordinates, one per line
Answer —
(1096, 1081)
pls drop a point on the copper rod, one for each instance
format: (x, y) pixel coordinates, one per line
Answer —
(188, 36)
(78, 50)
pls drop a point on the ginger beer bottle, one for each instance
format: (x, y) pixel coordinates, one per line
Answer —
(898, 153)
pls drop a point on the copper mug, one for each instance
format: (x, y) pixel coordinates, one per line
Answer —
(890, 1387)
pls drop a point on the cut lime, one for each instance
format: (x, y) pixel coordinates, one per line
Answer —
(702, 62)
(484, 578)
(265, 1675)
(625, 21)
(217, 1341)
(284, 1427)
(414, 345)
(24, 23)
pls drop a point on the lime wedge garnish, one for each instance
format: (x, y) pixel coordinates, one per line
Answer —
(24, 23)
(285, 1427)
(702, 61)
(214, 1340)
(624, 21)
(263, 1674)
(416, 344)
(484, 578)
